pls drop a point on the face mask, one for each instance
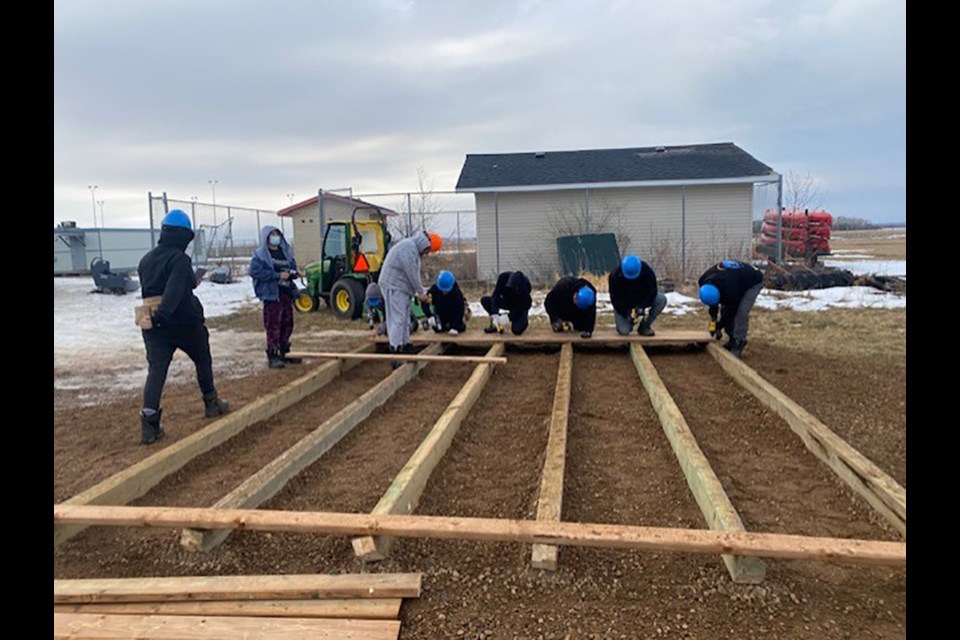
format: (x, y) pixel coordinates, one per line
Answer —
(275, 241)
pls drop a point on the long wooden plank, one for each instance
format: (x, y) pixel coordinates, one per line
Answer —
(400, 357)
(264, 484)
(124, 627)
(403, 495)
(550, 502)
(135, 481)
(602, 335)
(658, 539)
(267, 587)
(702, 481)
(880, 490)
(357, 609)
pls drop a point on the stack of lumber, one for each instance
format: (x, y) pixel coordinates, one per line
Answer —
(287, 607)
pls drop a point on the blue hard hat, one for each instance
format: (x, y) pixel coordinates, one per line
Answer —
(709, 295)
(631, 266)
(176, 218)
(730, 264)
(585, 297)
(445, 281)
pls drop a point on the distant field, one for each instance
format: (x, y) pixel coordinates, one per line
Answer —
(880, 243)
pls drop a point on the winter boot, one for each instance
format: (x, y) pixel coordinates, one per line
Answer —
(150, 429)
(284, 350)
(646, 330)
(275, 359)
(214, 406)
(737, 348)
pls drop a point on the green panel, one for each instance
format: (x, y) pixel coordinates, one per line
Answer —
(588, 253)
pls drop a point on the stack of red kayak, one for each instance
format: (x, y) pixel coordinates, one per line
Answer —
(804, 232)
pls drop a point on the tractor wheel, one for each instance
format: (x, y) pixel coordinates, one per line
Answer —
(346, 298)
(305, 303)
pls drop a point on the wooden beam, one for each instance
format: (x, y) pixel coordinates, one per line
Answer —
(267, 587)
(120, 627)
(702, 481)
(267, 482)
(550, 502)
(602, 336)
(657, 539)
(404, 493)
(400, 357)
(880, 490)
(135, 481)
(355, 608)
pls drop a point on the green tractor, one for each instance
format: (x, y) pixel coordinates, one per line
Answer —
(351, 257)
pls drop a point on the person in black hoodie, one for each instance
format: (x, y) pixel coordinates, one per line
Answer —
(512, 292)
(450, 310)
(731, 287)
(175, 322)
(572, 300)
(633, 290)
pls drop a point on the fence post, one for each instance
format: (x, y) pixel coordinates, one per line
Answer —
(409, 216)
(496, 225)
(153, 240)
(683, 233)
(779, 219)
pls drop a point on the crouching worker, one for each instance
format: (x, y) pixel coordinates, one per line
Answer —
(511, 293)
(170, 319)
(730, 288)
(634, 295)
(450, 312)
(273, 271)
(572, 301)
(399, 281)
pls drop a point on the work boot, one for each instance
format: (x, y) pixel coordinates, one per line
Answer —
(490, 329)
(214, 406)
(646, 330)
(729, 343)
(738, 346)
(275, 359)
(407, 348)
(395, 364)
(287, 359)
(150, 429)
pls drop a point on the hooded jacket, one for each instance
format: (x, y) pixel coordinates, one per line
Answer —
(512, 292)
(626, 295)
(448, 307)
(732, 284)
(560, 305)
(166, 270)
(265, 271)
(401, 268)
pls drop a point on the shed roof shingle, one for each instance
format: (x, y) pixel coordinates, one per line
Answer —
(640, 164)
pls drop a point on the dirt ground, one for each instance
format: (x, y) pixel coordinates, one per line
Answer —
(620, 469)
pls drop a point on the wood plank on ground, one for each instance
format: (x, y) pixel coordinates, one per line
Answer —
(355, 608)
(135, 481)
(267, 482)
(550, 501)
(658, 539)
(880, 490)
(403, 495)
(603, 335)
(416, 357)
(265, 587)
(713, 501)
(78, 626)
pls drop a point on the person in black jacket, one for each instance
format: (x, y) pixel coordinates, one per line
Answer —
(731, 287)
(512, 292)
(633, 290)
(572, 300)
(177, 322)
(450, 310)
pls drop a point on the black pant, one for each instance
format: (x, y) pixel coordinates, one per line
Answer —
(192, 339)
(518, 317)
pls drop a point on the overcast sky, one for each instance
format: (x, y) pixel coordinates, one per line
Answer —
(286, 96)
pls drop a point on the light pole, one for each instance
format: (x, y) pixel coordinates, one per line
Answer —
(290, 197)
(213, 189)
(93, 201)
(100, 204)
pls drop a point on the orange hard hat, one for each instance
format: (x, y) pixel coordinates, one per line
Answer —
(436, 242)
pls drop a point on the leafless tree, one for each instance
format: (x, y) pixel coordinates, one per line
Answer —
(422, 208)
(801, 191)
